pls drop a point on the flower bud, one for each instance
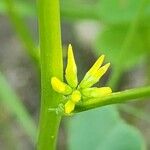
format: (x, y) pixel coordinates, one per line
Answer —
(94, 78)
(71, 69)
(94, 68)
(69, 107)
(96, 92)
(60, 86)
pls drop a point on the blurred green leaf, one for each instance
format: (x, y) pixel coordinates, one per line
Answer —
(118, 11)
(102, 129)
(2, 6)
(110, 43)
(112, 12)
(22, 30)
(13, 103)
(79, 9)
(23, 7)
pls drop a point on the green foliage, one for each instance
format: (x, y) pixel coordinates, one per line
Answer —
(111, 12)
(23, 7)
(110, 43)
(98, 129)
(14, 105)
(119, 11)
(22, 30)
(102, 129)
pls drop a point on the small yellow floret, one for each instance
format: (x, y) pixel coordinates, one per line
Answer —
(69, 107)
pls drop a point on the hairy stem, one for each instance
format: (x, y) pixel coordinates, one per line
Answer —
(114, 98)
(51, 65)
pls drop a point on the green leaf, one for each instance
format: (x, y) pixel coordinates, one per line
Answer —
(122, 11)
(2, 6)
(79, 9)
(110, 42)
(102, 129)
(113, 12)
(116, 11)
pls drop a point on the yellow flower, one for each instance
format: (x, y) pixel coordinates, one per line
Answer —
(76, 92)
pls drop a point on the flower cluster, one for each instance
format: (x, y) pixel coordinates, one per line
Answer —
(75, 91)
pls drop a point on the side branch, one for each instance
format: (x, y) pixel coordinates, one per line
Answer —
(114, 98)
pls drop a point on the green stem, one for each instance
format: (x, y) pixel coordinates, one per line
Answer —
(22, 30)
(114, 98)
(51, 65)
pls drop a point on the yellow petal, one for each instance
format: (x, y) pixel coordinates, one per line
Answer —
(69, 107)
(60, 86)
(71, 69)
(96, 92)
(75, 96)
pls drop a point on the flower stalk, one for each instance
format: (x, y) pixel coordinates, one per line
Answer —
(115, 98)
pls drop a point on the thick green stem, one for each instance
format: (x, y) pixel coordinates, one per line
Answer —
(114, 98)
(51, 65)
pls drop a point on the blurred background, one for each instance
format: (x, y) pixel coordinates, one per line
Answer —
(120, 29)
